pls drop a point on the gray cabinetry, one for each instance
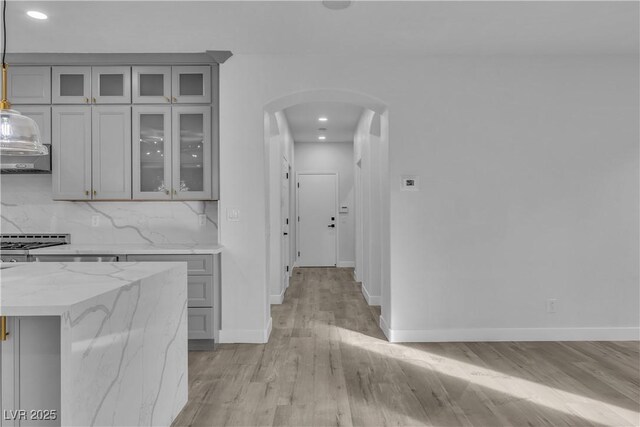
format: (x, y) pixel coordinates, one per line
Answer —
(203, 287)
(42, 116)
(191, 84)
(111, 85)
(191, 146)
(111, 152)
(71, 85)
(151, 152)
(71, 152)
(29, 85)
(151, 85)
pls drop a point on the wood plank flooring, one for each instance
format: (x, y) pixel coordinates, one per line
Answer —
(327, 363)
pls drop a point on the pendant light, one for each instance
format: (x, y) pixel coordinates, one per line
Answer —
(19, 135)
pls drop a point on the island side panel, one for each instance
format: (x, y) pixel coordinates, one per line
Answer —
(124, 353)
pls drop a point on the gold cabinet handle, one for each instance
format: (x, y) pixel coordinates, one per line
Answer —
(167, 98)
(95, 192)
(86, 100)
(175, 192)
(167, 192)
(3, 328)
(94, 100)
(174, 99)
(86, 192)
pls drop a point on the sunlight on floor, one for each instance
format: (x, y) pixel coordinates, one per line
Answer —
(599, 412)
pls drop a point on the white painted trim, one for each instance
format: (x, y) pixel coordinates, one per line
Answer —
(277, 299)
(346, 264)
(371, 299)
(248, 336)
(511, 334)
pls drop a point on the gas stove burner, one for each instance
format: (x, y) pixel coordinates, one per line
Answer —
(27, 246)
(13, 246)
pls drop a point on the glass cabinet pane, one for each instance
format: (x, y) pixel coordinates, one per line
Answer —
(111, 85)
(151, 85)
(72, 85)
(152, 152)
(191, 84)
(191, 152)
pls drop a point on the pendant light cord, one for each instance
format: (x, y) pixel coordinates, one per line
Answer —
(4, 31)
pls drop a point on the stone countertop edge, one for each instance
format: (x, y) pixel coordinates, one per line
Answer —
(130, 249)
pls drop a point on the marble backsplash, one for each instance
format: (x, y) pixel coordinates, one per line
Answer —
(26, 207)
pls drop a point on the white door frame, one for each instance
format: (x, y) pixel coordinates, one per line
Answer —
(285, 227)
(335, 213)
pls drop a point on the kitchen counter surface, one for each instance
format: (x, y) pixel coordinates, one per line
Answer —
(129, 249)
(51, 289)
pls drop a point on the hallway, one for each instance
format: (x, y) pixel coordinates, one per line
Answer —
(328, 363)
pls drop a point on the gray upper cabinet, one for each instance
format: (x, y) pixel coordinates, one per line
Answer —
(151, 85)
(191, 84)
(71, 152)
(111, 152)
(42, 116)
(191, 157)
(111, 85)
(29, 85)
(71, 85)
(151, 152)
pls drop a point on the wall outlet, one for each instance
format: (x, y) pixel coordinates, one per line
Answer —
(95, 220)
(233, 214)
(551, 305)
(202, 219)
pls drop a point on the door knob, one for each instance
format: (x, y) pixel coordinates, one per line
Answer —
(331, 225)
(285, 233)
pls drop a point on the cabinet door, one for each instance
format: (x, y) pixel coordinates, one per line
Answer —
(191, 84)
(42, 116)
(151, 85)
(29, 85)
(111, 85)
(111, 152)
(71, 152)
(191, 145)
(71, 85)
(152, 152)
(200, 323)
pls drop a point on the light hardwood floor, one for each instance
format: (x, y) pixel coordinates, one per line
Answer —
(328, 363)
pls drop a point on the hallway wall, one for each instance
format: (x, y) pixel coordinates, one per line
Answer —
(338, 157)
(528, 171)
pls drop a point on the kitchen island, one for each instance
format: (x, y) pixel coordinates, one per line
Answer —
(93, 343)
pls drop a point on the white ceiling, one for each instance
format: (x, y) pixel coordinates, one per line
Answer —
(382, 27)
(341, 124)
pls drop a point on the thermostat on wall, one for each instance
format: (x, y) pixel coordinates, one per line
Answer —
(409, 183)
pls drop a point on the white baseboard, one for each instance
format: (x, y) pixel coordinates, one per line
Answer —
(510, 334)
(246, 336)
(371, 299)
(346, 264)
(277, 299)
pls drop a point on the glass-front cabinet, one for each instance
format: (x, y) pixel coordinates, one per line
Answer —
(152, 152)
(172, 152)
(151, 85)
(191, 152)
(111, 85)
(191, 84)
(71, 85)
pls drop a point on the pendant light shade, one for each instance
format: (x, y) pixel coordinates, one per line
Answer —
(19, 135)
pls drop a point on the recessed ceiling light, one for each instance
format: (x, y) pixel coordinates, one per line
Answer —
(36, 15)
(322, 137)
(336, 4)
(322, 119)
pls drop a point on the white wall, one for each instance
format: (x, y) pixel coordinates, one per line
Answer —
(280, 149)
(529, 190)
(338, 157)
(27, 208)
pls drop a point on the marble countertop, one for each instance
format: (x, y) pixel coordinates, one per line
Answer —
(130, 249)
(53, 288)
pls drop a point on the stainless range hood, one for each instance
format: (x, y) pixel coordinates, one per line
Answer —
(25, 164)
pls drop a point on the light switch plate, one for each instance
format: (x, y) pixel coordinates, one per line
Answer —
(410, 183)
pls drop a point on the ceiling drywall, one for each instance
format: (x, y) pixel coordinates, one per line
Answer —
(306, 27)
(342, 120)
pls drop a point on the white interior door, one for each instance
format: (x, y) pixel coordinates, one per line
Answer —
(317, 214)
(284, 220)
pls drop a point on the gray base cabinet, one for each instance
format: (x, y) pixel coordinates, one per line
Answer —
(203, 287)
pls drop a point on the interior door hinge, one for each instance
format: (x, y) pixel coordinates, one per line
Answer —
(298, 219)
(298, 185)
(287, 220)
(287, 175)
(287, 268)
(298, 253)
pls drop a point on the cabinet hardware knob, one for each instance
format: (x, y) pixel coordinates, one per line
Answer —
(86, 192)
(3, 328)
(86, 100)
(94, 100)
(167, 98)
(174, 99)
(175, 192)
(167, 192)
(95, 192)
